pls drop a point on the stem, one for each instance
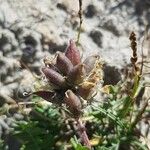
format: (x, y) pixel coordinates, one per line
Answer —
(83, 135)
(139, 115)
(81, 20)
(137, 79)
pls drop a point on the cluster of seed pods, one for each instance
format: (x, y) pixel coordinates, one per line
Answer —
(71, 79)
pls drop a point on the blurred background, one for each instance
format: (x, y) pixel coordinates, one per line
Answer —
(31, 30)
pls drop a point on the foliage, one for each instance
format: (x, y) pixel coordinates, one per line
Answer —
(114, 124)
(1, 144)
(41, 130)
(111, 124)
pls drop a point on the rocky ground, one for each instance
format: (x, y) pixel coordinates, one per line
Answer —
(32, 29)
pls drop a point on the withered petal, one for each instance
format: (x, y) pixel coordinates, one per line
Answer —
(85, 89)
(73, 53)
(84, 93)
(89, 63)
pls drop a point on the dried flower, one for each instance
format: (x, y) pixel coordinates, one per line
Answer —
(134, 50)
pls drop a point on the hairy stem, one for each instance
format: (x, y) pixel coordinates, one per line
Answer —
(83, 135)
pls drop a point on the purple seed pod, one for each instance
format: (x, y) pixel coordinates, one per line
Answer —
(77, 74)
(73, 53)
(63, 64)
(54, 77)
(89, 63)
(73, 102)
(48, 96)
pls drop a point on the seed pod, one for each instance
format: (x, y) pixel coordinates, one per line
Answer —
(54, 77)
(77, 74)
(89, 63)
(63, 64)
(73, 103)
(48, 96)
(73, 53)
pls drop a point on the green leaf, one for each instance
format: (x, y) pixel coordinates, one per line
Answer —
(139, 145)
(110, 115)
(76, 145)
(126, 107)
(113, 89)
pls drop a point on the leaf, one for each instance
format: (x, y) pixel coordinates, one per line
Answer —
(110, 115)
(126, 107)
(80, 147)
(95, 141)
(139, 145)
(113, 89)
(76, 145)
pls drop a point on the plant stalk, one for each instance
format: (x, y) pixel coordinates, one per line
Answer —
(83, 135)
(81, 20)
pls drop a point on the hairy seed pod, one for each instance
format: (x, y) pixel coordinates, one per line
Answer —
(73, 53)
(73, 103)
(54, 77)
(89, 63)
(48, 96)
(63, 64)
(77, 74)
